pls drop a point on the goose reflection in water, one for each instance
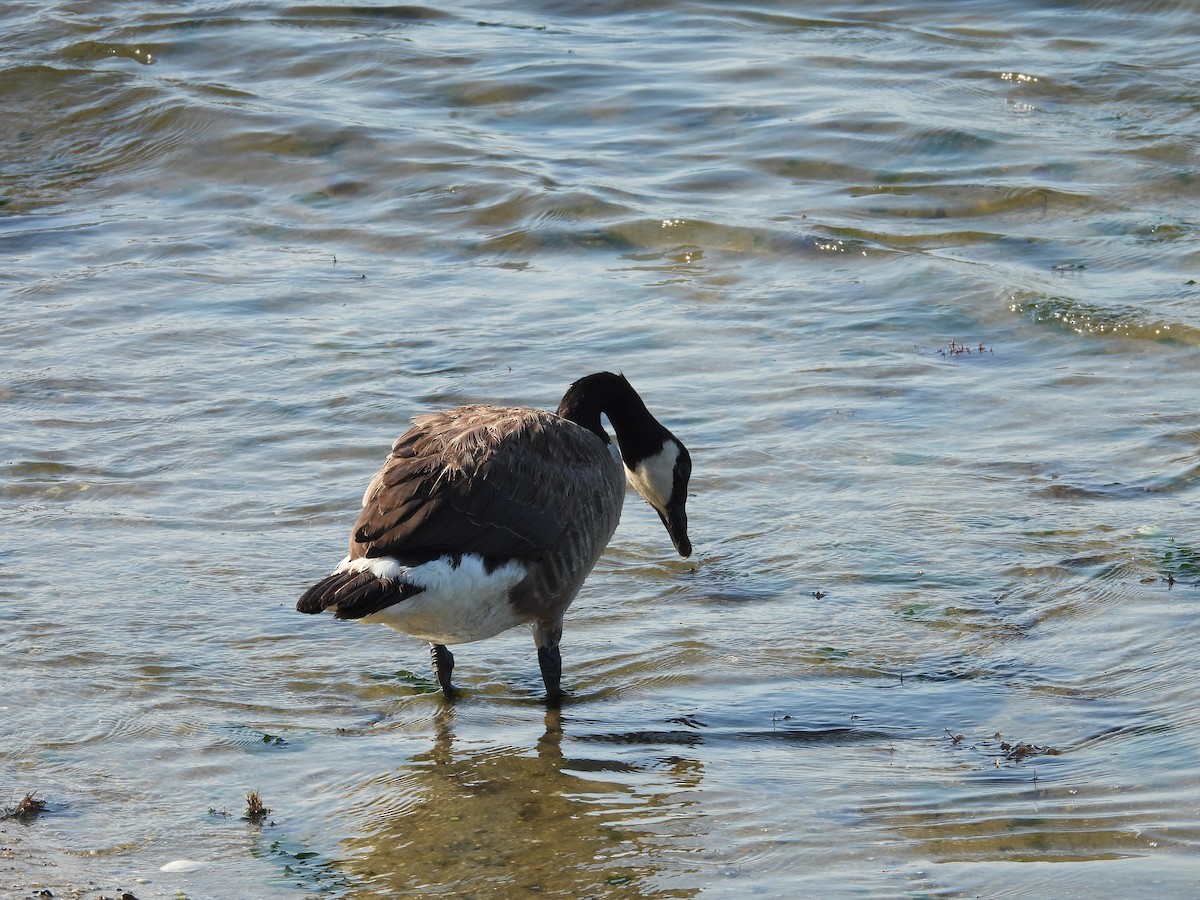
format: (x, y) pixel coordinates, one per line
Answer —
(502, 821)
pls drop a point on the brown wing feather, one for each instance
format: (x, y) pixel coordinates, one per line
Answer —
(493, 481)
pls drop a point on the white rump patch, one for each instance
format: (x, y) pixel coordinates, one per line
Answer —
(459, 604)
(654, 476)
(383, 567)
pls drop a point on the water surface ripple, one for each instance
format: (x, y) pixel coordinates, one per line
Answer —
(917, 284)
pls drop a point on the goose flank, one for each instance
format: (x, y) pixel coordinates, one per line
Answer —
(484, 518)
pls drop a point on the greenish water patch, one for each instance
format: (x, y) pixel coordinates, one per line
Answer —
(1093, 320)
(1175, 560)
(411, 682)
(304, 869)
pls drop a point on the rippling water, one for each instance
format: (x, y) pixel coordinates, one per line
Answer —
(916, 282)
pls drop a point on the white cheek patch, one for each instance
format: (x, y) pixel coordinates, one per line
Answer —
(654, 476)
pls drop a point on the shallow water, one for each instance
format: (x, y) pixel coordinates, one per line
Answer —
(916, 284)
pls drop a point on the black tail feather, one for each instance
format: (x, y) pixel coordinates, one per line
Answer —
(352, 595)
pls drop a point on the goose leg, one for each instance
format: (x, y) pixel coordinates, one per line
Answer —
(550, 659)
(443, 665)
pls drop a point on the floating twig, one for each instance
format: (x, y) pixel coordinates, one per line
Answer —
(956, 349)
(256, 811)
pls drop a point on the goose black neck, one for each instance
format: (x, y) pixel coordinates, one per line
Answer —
(639, 434)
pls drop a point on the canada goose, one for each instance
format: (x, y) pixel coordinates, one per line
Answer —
(487, 517)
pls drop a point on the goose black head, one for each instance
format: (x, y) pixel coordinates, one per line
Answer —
(656, 462)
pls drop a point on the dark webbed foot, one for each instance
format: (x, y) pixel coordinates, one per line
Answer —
(443, 666)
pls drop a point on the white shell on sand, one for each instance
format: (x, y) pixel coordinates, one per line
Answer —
(182, 865)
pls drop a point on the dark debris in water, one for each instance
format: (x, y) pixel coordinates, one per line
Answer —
(1000, 750)
(28, 809)
(956, 349)
(687, 721)
(1168, 580)
(256, 811)
(1021, 751)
